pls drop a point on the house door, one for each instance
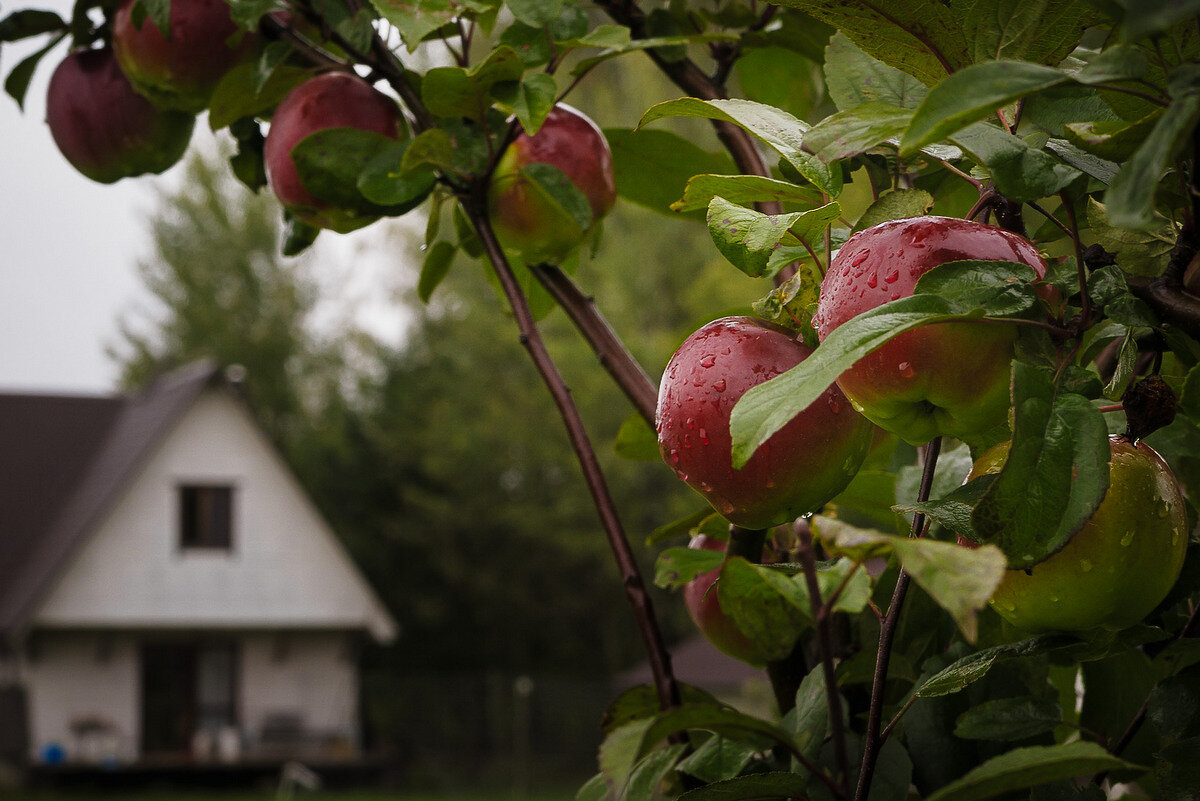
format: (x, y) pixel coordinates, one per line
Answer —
(186, 688)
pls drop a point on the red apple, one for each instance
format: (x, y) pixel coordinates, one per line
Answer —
(1118, 566)
(703, 603)
(946, 378)
(182, 71)
(525, 218)
(797, 470)
(331, 100)
(106, 129)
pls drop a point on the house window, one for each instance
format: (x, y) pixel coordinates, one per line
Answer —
(205, 516)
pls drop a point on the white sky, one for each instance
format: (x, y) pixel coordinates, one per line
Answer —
(69, 249)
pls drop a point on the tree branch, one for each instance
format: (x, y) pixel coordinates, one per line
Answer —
(474, 205)
(887, 635)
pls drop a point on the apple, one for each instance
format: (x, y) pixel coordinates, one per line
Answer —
(797, 470)
(528, 220)
(103, 127)
(703, 603)
(1117, 568)
(330, 100)
(941, 379)
(182, 71)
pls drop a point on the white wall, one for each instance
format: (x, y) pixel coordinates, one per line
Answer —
(285, 569)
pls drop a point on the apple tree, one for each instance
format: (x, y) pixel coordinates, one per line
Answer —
(952, 467)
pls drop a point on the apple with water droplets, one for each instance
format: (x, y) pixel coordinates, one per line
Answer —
(1119, 566)
(940, 379)
(797, 470)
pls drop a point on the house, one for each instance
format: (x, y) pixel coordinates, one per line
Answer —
(168, 593)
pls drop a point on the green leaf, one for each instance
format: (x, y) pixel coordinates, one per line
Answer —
(779, 77)
(636, 440)
(970, 95)
(298, 236)
(239, 94)
(895, 205)
(1019, 171)
(1044, 31)
(973, 667)
(960, 580)
(17, 82)
(651, 772)
(159, 12)
(808, 721)
(697, 520)
(1127, 358)
(954, 509)
(1009, 719)
(715, 718)
(663, 44)
(1148, 17)
(248, 13)
(793, 303)
(435, 267)
(558, 187)
(1022, 768)
(247, 162)
(1055, 475)
(1004, 288)
(28, 22)
(1113, 140)
(386, 181)
(653, 167)
(531, 100)
(766, 408)
(855, 130)
(1098, 168)
(678, 566)
(415, 19)
(923, 38)
(741, 189)
(1118, 63)
(853, 78)
(1130, 198)
(719, 758)
(1142, 253)
(747, 238)
(535, 13)
(1177, 769)
(754, 786)
(641, 702)
(272, 56)
(458, 92)
(769, 607)
(777, 128)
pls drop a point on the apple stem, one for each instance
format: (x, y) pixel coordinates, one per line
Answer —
(821, 611)
(887, 634)
(614, 356)
(474, 205)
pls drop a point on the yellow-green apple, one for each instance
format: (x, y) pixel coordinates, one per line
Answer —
(525, 217)
(1119, 566)
(797, 470)
(946, 378)
(330, 100)
(103, 127)
(180, 71)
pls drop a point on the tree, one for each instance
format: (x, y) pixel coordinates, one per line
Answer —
(1073, 123)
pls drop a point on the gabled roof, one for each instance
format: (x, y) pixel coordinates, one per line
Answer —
(63, 461)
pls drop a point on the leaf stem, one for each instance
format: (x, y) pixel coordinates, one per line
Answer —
(1085, 316)
(887, 635)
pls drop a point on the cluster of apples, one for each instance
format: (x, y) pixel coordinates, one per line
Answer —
(128, 109)
(946, 379)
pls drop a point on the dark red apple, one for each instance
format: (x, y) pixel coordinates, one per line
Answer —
(106, 129)
(526, 219)
(946, 378)
(180, 72)
(703, 603)
(331, 100)
(797, 470)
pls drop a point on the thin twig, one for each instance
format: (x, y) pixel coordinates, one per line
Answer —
(821, 611)
(1036, 207)
(1085, 315)
(475, 206)
(887, 633)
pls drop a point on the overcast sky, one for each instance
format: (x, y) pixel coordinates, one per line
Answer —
(71, 246)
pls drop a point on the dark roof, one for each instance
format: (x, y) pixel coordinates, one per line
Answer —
(697, 662)
(63, 462)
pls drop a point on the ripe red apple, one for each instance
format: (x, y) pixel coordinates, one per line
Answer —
(797, 470)
(946, 378)
(180, 72)
(106, 129)
(703, 603)
(525, 218)
(330, 100)
(1119, 566)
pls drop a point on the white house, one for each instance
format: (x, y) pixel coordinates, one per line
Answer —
(168, 593)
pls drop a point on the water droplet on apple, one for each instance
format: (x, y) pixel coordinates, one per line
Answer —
(719, 386)
(704, 440)
(1085, 566)
(906, 370)
(892, 276)
(1162, 509)
(1054, 599)
(705, 486)
(1127, 538)
(708, 361)
(860, 258)
(873, 280)
(690, 423)
(674, 454)
(1009, 606)
(834, 406)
